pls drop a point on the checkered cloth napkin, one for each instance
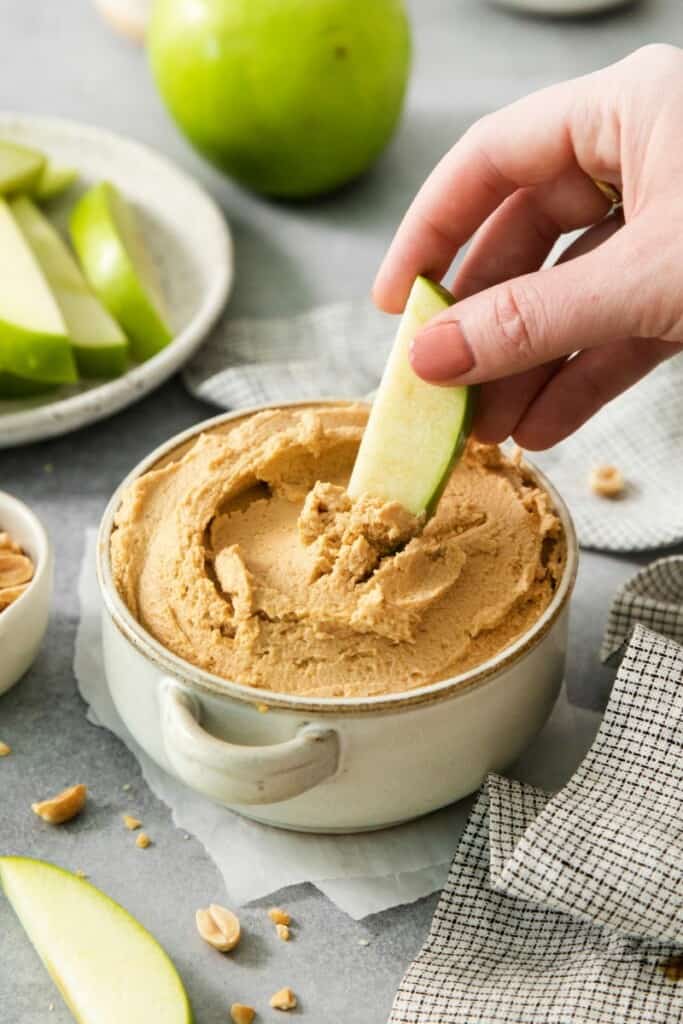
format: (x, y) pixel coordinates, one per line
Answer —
(653, 597)
(569, 909)
(339, 351)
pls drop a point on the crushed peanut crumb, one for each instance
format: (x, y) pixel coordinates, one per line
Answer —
(282, 932)
(279, 916)
(143, 841)
(672, 968)
(219, 927)
(607, 481)
(63, 807)
(130, 822)
(5, 749)
(263, 708)
(80, 874)
(242, 1014)
(283, 1000)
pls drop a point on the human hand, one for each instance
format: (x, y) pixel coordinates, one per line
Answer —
(551, 346)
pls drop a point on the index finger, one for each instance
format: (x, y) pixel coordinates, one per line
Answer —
(529, 142)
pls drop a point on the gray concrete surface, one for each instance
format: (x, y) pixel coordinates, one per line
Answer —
(58, 58)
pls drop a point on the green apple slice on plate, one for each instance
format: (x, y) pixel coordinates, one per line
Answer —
(416, 431)
(34, 343)
(13, 387)
(53, 180)
(20, 167)
(99, 344)
(108, 968)
(112, 253)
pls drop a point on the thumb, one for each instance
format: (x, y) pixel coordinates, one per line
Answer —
(533, 319)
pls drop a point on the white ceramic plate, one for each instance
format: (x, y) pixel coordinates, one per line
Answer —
(189, 240)
(562, 7)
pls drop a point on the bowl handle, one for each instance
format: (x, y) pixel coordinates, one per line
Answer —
(234, 774)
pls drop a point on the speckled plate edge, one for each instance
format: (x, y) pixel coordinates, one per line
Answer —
(562, 8)
(58, 416)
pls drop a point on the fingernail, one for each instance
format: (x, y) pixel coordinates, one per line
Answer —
(441, 353)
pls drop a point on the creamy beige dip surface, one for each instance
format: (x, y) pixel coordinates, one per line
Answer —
(246, 557)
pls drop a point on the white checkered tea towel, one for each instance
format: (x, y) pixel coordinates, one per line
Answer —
(653, 597)
(335, 351)
(569, 909)
(339, 351)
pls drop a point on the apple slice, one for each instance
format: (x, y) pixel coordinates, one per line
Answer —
(118, 266)
(416, 431)
(33, 336)
(12, 387)
(20, 167)
(53, 181)
(108, 968)
(99, 344)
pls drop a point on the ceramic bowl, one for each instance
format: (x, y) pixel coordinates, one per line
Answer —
(329, 765)
(23, 623)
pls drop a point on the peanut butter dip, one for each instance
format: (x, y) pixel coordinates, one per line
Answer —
(246, 557)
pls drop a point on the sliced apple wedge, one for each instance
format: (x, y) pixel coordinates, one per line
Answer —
(99, 344)
(12, 387)
(20, 167)
(33, 336)
(53, 180)
(115, 261)
(416, 431)
(108, 968)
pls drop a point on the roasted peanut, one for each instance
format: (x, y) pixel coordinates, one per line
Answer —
(242, 1014)
(219, 927)
(607, 481)
(279, 916)
(63, 807)
(283, 1000)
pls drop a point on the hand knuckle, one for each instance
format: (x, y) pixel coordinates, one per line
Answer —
(518, 318)
(660, 56)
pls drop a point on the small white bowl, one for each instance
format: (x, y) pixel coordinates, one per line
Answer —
(23, 624)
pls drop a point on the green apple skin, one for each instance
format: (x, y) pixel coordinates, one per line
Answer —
(292, 98)
(12, 387)
(33, 339)
(99, 345)
(52, 182)
(471, 397)
(115, 271)
(458, 449)
(20, 167)
(36, 356)
(107, 967)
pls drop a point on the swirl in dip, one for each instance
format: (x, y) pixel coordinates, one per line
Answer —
(246, 557)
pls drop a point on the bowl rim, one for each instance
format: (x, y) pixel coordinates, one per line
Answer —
(42, 561)
(197, 678)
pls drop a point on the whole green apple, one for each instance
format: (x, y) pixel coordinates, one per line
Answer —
(291, 97)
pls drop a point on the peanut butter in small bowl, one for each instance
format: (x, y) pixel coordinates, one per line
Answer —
(16, 570)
